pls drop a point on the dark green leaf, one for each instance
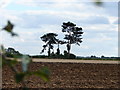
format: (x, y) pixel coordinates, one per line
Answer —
(13, 62)
(19, 77)
(8, 27)
(98, 2)
(43, 73)
(45, 70)
(14, 34)
(9, 62)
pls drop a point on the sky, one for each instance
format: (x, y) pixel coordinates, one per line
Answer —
(33, 18)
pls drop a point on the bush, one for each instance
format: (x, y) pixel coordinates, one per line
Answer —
(60, 56)
(39, 56)
(72, 56)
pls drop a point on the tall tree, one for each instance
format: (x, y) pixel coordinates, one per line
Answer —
(73, 34)
(49, 39)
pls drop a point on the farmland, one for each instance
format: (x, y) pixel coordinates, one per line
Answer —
(68, 75)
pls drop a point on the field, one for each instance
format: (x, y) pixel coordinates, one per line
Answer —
(68, 75)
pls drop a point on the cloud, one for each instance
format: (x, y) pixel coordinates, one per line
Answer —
(95, 20)
(4, 3)
(98, 28)
(73, 5)
(36, 19)
(57, 13)
(111, 8)
(116, 22)
(100, 34)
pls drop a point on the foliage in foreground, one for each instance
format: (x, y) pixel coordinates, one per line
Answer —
(25, 60)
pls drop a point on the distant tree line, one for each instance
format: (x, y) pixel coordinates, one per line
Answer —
(93, 57)
(11, 52)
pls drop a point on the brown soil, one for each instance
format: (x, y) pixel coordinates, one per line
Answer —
(68, 75)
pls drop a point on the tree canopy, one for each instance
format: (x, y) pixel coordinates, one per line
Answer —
(49, 39)
(72, 36)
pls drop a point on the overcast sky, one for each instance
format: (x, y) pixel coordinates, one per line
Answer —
(33, 18)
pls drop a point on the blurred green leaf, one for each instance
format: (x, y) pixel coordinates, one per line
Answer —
(14, 34)
(13, 62)
(43, 73)
(98, 2)
(19, 77)
(8, 27)
(9, 62)
(0, 61)
(25, 61)
(2, 50)
(3, 63)
(45, 70)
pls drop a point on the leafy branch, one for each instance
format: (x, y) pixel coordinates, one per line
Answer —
(26, 60)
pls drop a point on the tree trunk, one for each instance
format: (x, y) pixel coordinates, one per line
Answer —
(48, 51)
(58, 50)
(68, 49)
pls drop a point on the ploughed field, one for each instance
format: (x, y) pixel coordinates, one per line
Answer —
(68, 75)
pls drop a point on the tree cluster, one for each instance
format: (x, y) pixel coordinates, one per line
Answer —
(72, 36)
